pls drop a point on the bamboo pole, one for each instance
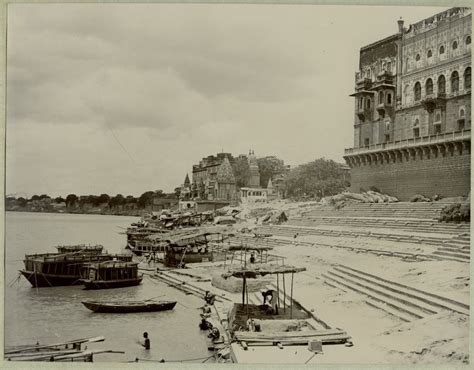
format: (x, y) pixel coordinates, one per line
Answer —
(291, 298)
(284, 294)
(243, 291)
(278, 291)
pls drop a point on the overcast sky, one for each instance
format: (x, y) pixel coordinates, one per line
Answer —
(121, 98)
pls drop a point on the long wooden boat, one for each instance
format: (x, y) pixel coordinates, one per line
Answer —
(131, 306)
(110, 274)
(60, 269)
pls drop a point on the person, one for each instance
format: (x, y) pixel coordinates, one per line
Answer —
(206, 309)
(252, 257)
(209, 297)
(204, 325)
(146, 341)
(214, 334)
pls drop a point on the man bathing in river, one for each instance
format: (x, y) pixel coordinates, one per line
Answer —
(146, 341)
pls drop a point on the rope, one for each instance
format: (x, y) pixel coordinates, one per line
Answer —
(309, 359)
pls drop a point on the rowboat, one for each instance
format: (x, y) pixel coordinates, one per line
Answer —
(130, 306)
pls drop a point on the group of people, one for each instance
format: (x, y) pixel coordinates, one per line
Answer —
(214, 332)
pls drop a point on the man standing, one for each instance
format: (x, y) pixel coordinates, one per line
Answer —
(146, 341)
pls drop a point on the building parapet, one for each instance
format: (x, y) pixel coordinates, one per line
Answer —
(413, 142)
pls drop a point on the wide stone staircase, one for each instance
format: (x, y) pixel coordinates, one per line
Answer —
(405, 302)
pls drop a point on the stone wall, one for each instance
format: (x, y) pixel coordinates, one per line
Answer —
(446, 176)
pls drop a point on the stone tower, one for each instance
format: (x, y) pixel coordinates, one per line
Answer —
(225, 181)
(254, 181)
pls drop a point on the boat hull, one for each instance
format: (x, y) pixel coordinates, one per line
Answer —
(40, 280)
(124, 308)
(110, 284)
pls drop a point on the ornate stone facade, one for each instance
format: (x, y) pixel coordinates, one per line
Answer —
(413, 109)
(254, 181)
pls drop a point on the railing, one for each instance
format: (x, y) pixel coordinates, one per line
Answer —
(431, 139)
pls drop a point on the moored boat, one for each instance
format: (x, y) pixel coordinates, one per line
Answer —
(130, 306)
(59, 269)
(110, 274)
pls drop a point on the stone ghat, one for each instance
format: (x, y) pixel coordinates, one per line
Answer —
(405, 210)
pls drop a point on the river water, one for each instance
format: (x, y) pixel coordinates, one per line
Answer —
(52, 315)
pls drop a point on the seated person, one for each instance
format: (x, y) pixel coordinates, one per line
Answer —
(204, 324)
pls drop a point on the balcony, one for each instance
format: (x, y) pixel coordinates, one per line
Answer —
(384, 108)
(364, 114)
(431, 101)
(446, 137)
(385, 77)
(363, 83)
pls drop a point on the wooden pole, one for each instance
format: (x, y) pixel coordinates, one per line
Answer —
(284, 293)
(243, 291)
(278, 291)
(247, 296)
(291, 298)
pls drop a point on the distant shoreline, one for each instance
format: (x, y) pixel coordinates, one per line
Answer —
(126, 214)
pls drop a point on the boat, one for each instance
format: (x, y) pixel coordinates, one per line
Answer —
(110, 274)
(80, 248)
(130, 306)
(60, 269)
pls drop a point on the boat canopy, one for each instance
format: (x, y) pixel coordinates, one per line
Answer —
(261, 270)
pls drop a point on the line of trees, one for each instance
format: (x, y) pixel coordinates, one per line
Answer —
(75, 201)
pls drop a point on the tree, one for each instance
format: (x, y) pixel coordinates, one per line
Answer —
(118, 200)
(145, 199)
(59, 200)
(103, 198)
(21, 202)
(35, 197)
(71, 200)
(177, 191)
(241, 171)
(318, 179)
(267, 167)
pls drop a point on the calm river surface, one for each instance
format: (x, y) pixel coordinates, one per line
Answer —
(56, 314)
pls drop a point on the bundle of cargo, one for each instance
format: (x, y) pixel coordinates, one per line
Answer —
(342, 199)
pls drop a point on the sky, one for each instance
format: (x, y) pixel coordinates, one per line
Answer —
(125, 98)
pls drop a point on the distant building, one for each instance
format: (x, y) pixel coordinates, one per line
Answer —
(254, 181)
(412, 111)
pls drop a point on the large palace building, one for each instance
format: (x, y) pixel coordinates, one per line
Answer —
(412, 125)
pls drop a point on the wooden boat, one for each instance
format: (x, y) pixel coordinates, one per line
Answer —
(80, 248)
(131, 306)
(110, 274)
(59, 269)
(65, 351)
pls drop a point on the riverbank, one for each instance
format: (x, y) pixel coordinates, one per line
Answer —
(128, 213)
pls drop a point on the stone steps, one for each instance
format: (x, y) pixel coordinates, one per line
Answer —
(399, 300)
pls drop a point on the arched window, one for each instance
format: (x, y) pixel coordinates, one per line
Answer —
(418, 57)
(380, 97)
(461, 113)
(441, 84)
(454, 81)
(361, 102)
(368, 103)
(441, 49)
(467, 78)
(430, 53)
(368, 73)
(389, 67)
(429, 86)
(438, 117)
(468, 40)
(455, 45)
(389, 98)
(417, 91)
